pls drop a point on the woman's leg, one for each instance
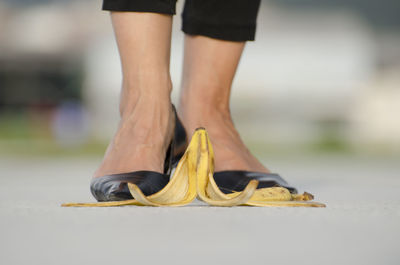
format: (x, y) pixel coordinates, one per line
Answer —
(209, 69)
(216, 34)
(147, 121)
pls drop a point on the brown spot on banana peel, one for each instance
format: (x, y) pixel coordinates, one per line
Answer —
(303, 197)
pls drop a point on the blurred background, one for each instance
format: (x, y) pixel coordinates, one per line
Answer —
(316, 98)
(321, 77)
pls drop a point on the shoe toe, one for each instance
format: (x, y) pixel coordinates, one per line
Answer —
(115, 188)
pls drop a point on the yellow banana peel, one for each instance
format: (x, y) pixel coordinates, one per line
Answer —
(194, 177)
(209, 192)
(207, 189)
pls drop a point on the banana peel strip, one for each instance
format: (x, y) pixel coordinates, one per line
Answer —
(194, 177)
(102, 204)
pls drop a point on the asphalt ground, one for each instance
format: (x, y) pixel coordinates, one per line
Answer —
(361, 224)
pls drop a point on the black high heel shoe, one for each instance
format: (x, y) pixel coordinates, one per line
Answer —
(114, 187)
(236, 180)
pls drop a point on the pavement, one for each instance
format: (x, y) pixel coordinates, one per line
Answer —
(361, 224)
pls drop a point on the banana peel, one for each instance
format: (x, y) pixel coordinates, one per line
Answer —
(207, 189)
(193, 178)
(209, 192)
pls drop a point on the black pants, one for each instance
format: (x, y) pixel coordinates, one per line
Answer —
(233, 20)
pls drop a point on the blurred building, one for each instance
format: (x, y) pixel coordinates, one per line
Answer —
(317, 68)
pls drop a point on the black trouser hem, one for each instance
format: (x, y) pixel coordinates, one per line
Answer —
(152, 6)
(228, 32)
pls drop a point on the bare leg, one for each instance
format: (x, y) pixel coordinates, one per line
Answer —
(147, 121)
(209, 69)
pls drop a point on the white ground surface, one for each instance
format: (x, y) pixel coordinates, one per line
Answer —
(361, 224)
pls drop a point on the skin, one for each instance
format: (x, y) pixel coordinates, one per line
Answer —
(209, 68)
(147, 122)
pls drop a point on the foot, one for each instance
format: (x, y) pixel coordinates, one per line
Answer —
(230, 151)
(142, 138)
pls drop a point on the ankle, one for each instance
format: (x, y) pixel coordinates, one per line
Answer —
(208, 116)
(151, 122)
(193, 106)
(148, 92)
